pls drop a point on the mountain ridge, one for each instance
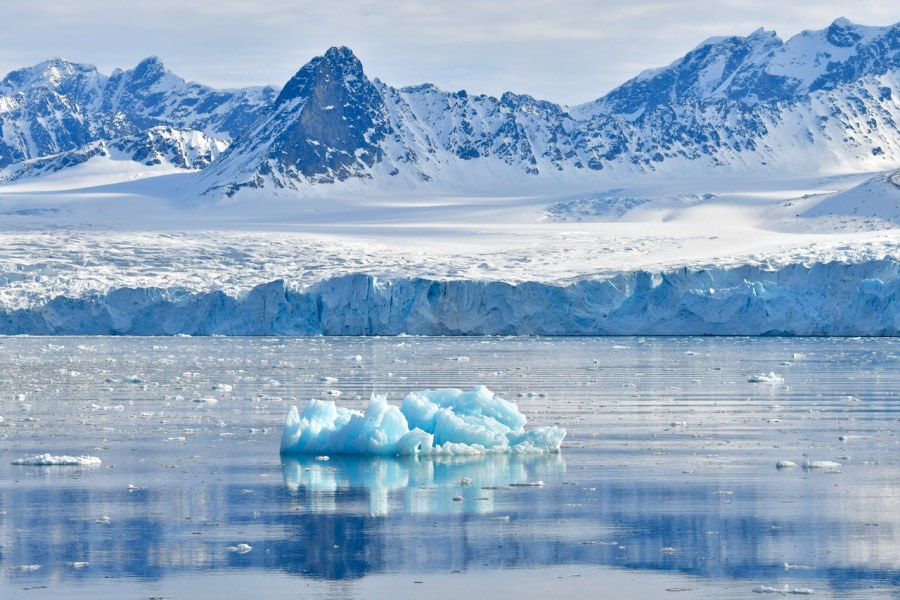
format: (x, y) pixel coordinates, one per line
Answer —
(823, 101)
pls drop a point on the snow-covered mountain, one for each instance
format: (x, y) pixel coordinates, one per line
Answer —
(158, 146)
(59, 106)
(824, 101)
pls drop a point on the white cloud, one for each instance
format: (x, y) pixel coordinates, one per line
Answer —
(565, 50)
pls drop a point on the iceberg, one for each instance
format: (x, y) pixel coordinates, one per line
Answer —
(49, 460)
(430, 422)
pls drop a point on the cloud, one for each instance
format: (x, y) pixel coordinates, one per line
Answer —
(565, 50)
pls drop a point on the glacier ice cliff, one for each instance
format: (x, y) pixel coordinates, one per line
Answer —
(820, 299)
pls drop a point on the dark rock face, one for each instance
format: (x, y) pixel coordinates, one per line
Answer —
(340, 123)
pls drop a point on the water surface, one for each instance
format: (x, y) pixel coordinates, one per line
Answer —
(667, 485)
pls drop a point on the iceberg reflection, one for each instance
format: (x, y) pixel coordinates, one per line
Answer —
(416, 485)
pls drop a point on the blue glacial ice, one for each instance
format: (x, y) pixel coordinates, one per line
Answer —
(431, 422)
(822, 299)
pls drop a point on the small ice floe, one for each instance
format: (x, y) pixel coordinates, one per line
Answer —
(104, 520)
(78, 564)
(323, 458)
(333, 392)
(459, 358)
(503, 519)
(465, 482)
(528, 484)
(669, 550)
(790, 567)
(132, 379)
(328, 379)
(770, 378)
(678, 424)
(356, 358)
(240, 548)
(799, 356)
(724, 493)
(205, 400)
(222, 387)
(821, 464)
(458, 498)
(26, 568)
(764, 589)
(48, 460)
(785, 464)
(134, 488)
(847, 438)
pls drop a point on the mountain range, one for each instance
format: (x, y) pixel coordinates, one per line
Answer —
(823, 101)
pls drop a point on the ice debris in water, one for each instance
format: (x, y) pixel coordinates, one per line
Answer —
(48, 460)
(444, 421)
(240, 548)
(766, 378)
(821, 464)
(764, 589)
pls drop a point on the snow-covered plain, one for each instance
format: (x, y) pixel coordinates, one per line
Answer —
(147, 239)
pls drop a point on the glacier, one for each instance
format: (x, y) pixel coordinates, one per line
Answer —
(818, 299)
(429, 422)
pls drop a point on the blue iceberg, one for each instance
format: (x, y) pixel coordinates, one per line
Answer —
(430, 422)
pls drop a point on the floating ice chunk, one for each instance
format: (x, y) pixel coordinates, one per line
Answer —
(847, 438)
(205, 400)
(26, 568)
(447, 421)
(133, 379)
(104, 520)
(240, 548)
(785, 464)
(222, 387)
(770, 378)
(78, 564)
(821, 464)
(764, 589)
(48, 460)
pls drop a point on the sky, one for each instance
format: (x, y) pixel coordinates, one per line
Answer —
(566, 51)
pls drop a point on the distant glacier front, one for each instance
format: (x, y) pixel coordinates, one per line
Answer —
(822, 299)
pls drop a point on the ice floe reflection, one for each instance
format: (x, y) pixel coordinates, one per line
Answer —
(444, 485)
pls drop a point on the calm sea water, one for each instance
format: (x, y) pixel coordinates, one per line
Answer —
(666, 487)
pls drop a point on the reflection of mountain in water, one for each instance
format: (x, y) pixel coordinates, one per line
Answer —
(452, 485)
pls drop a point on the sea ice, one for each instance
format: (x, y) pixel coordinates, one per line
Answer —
(821, 464)
(764, 589)
(444, 421)
(766, 378)
(48, 460)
